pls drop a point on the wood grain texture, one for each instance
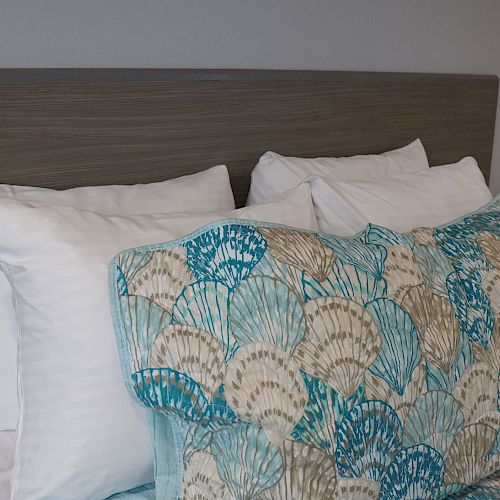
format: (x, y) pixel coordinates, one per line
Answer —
(67, 128)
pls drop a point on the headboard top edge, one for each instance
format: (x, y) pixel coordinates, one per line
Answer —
(77, 75)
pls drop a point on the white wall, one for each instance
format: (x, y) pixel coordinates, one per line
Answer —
(457, 36)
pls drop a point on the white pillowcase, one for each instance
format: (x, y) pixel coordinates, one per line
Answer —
(401, 202)
(275, 173)
(208, 190)
(80, 434)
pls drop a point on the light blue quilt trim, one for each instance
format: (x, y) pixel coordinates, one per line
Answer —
(168, 447)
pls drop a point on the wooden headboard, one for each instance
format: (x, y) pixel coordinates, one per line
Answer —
(73, 127)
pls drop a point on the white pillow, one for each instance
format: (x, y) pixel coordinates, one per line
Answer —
(401, 202)
(80, 434)
(275, 173)
(207, 190)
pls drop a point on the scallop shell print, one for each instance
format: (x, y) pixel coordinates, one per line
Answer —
(226, 254)
(196, 436)
(467, 458)
(365, 257)
(171, 392)
(490, 245)
(466, 257)
(192, 351)
(378, 235)
(435, 267)
(377, 388)
(324, 409)
(357, 488)
(342, 340)
(265, 309)
(439, 380)
(491, 287)
(201, 479)
(401, 271)
(492, 419)
(271, 268)
(309, 474)
(368, 439)
(263, 385)
(128, 263)
(246, 460)
(434, 419)
(486, 219)
(345, 281)
(301, 250)
(140, 320)
(205, 305)
(477, 391)
(163, 277)
(400, 351)
(472, 308)
(437, 326)
(423, 236)
(415, 472)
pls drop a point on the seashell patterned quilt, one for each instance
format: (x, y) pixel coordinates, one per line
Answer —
(283, 364)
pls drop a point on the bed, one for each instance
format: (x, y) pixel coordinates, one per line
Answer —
(75, 127)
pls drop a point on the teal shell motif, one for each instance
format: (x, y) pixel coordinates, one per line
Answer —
(297, 365)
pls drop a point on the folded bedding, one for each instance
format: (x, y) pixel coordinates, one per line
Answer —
(282, 362)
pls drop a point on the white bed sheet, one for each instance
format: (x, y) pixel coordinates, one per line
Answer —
(7, 447)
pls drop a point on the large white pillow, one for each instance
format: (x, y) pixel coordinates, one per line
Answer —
(80, 434)
(401, 202)
(275, 173)
(208, 190)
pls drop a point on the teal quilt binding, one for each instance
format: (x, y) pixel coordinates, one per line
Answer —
(279, 363)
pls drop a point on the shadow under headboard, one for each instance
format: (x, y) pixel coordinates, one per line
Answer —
(62, 128)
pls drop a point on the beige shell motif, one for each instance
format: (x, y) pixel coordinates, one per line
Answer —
(357, 488)
(192, 351)
(309, 474)
(423, 236)
(466, 460)
(476, 391)
(490, 245)
(491, 354)
(377, 388)
(202, 480)
(341, 341)
(163, 277)
(401, 271)
(437, 326)
(491, 418)
(290, 275)
(263, 385)
(491, 286)
(303, 251)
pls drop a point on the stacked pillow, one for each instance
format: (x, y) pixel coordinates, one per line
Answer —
(395, 189)
(275, 173)
(79, 434)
